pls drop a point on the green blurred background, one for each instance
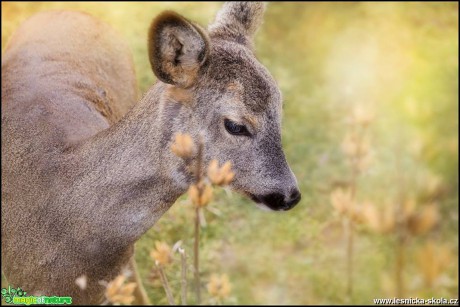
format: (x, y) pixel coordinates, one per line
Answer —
(398, 61)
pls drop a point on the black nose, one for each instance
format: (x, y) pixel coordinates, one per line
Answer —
(294, 199)
(277, 201)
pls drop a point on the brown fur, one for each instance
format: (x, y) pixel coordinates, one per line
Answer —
(178, 94)
(66, 76)
(80, 185)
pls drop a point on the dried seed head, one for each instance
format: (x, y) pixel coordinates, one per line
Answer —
(220, 176)
(356, 147)
(388, 221)
(219, 286)
(213, 169)
(409, 209)
(364, 148)
(117, 292)
(206, 195)
(357, 215)
(200, 194)
(362, 116)
(183, 146)
(364, 162)
(161, 253)
(424, 221)
(350, 145)
(433, 186)
(371, 217)
(128, 289)
(432, 261)
(341, 201)
(194, 194)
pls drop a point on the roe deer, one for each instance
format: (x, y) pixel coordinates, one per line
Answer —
(86, 170)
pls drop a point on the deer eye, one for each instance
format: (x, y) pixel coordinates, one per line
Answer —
(236, 129)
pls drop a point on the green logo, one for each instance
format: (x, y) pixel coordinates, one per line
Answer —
(18, 296)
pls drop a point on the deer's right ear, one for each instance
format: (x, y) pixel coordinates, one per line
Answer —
(177, 49)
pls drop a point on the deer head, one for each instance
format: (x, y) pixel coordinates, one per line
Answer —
(219, 91)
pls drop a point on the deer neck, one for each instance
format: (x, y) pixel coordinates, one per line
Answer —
(127, 177)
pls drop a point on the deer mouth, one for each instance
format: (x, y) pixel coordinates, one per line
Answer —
(275, 201)
(254, 198)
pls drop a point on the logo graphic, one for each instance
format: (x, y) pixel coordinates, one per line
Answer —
(18, 296)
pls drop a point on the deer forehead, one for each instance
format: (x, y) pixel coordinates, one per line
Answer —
(235, 69)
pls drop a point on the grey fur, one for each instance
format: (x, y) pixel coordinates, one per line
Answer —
(83, 178)
(238, 21)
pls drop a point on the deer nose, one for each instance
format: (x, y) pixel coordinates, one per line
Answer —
(278, 201)
(293, 199)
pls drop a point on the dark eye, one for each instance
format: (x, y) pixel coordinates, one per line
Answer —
(236, 129)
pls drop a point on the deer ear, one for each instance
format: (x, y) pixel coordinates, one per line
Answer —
(238, 21)
(178, 49)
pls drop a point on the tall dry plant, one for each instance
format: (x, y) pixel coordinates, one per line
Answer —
(433, 260)
(162, 257)
(356, 148)
(183, 258)
(200, 191)
(401, 219)
(404, 222)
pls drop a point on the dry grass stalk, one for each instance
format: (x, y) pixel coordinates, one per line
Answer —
(183, 276)
(196, 259)
(356, 148)
(196, 245)
(164, 281)
(162, 256)
(200, 192)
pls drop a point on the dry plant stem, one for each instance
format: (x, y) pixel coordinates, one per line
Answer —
(350, 240)
(139, 291)
(196, 250)
(401, 235)
(400, 251)
(183, 277)
(165, 283)
(349, 224)
(349, 260)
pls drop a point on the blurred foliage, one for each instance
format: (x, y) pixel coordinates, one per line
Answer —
(398, 59)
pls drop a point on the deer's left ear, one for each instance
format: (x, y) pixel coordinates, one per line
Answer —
(177, 49)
